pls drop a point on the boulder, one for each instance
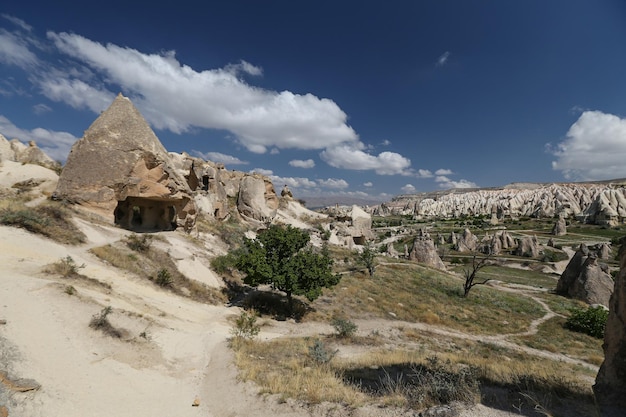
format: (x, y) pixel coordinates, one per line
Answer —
(257, 199)
(424, 251)
(467, 242)
(560, 227)
(391, 251)
(16, 151)
(585, 279)
(120, 168)
(604, 251)
(610, 386)
(527, 246)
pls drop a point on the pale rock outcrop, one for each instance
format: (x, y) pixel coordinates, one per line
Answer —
(120, 168)
(610, 386)
(585, 279)
(286, 192)
(257, 198)
(391, 251)
(424, 251)
(16, 151)
(601, 203)
(560, 227)
(527, 246)
(604, 251)
(467, 242)
(352, 222)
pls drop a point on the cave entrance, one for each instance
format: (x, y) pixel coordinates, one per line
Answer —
(145, 215)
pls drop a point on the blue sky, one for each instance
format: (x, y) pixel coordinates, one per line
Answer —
(358, 98)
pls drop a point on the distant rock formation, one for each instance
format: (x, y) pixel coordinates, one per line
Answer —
(286, 192)
(424, 251)
(467, 242)
(352, 224)
(585, 279)
(527, 246)
(602, 203)
(16, 151)
(257, 199)
(560, 227)
(120, 166)
(610, 386)
(391, 251)
(494, 245)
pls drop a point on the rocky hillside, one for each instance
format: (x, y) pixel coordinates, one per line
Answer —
(599, 202)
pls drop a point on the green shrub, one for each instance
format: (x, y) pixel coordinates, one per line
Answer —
(245, 326)
(66, 267)
(163, 278)
(591, 321)
(344, 328)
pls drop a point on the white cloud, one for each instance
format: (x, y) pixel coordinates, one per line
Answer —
(443, 172)
(274, 151)
(18, 22)
(443, 59)
(41, 108)
(408, 189)
(593, 149)
(76, 93)
(176, 97)
(333, 183)
(220, 157)
(351, 157)
(262, 171)
(14, 51)
(424, 173)
(309, 163)
(386, 142)
(292, 182)
(244, 67)
(445, 182)
(55, 144)
(368, 184)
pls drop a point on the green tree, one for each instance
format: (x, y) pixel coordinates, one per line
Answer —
(281, 257)
(368, 258)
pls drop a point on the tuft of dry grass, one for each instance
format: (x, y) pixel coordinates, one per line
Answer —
(50, 219)
(156, 265)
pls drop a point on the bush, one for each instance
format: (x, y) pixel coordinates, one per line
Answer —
(320, 353)
(49, 220)
(163, 278)
(101, 322)
(139, 244)
(66, 267)
(591, 321)
(245, 326)
(344, 328)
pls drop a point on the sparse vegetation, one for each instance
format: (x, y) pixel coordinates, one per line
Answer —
(368, 258)
(343, 327)
(100, 321)
(49, 219)
(319, 353)
(139, 243)
(245, 326)
(470, 274)
(66, 267)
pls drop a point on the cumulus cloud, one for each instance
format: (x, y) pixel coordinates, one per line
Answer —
(55, 144)
(244, 67)
(443, 172)
(408, 189)
(445, 182)
(593, 149)
(333, 183)
(424, 173)
(368, 184)
(220, 157)
(352, 157)
(262, 171)
(441, 61)
(298, 163)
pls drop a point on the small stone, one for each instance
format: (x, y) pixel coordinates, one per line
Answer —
(196, 402)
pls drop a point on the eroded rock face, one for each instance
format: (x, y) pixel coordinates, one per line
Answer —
(16, 151)
(467, 242)
(585, 279)
(424, 251)
(560, 227)
(121, 168)
(257, 198)
(610, 386)
(527, 246)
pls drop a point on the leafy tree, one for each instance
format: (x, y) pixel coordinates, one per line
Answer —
(281, 257)
(368, 257)
(591, 321)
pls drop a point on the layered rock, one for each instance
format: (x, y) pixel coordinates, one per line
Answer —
(423, 251)
(600, 203)
(351, 222)
(610, 386)
(120, 167)
(585, 279)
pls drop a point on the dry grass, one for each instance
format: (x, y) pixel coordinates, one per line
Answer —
(413, 293)
(553, 337)
(50, 219)
(154, 264)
